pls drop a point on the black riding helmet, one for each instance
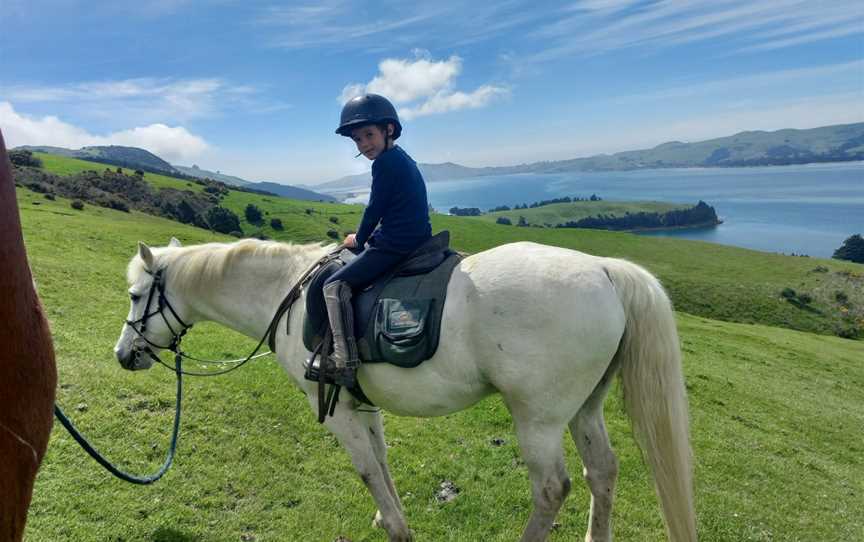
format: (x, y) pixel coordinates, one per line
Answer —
(368, 109)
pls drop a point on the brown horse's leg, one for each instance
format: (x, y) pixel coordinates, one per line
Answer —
(28, 376)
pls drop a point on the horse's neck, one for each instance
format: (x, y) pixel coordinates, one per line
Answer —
(250, 291)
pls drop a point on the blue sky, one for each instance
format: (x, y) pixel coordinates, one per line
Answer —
(255, 88)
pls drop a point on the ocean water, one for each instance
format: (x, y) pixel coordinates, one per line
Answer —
(807, 209)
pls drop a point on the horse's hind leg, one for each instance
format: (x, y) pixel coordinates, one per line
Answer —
(588, 430)
(542, 451)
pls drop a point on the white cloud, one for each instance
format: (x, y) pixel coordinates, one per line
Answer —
(752, 85)
(146, 99)
(669, 24)
(172, 143)
(405, 81)
(443, 102)
(423, 86)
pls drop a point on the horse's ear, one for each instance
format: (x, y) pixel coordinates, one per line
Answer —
(174, 242)
(146, 255)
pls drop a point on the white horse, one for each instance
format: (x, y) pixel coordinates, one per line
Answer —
(545, 327)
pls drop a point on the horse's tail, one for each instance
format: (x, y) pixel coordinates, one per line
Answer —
(654, 395)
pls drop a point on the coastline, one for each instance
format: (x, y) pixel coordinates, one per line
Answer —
(698, 226)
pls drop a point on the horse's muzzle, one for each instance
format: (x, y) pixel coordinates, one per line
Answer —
(137, 359)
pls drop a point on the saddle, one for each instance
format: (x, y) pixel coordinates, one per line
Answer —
(397, 318)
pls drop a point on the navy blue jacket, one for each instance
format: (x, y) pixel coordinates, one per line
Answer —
(398, 202)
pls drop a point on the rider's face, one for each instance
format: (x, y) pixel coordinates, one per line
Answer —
(370, 140)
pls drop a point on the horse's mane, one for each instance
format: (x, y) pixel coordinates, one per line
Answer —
(189, 266)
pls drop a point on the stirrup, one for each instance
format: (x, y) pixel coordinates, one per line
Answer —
(312, 370)
(343, 376)
(340, 376)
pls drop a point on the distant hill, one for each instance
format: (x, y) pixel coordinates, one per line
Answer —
(288, 191)
(135, 158)
(838, 143)
(196, 171)
(117, 155)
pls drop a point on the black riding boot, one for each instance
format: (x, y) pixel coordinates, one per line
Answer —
(343, 371)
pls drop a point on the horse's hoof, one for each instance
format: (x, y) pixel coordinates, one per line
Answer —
(378, 520)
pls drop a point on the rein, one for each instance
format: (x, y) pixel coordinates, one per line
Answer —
(163, 303)
(141, 480)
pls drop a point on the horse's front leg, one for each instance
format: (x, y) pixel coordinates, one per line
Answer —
(356, 432)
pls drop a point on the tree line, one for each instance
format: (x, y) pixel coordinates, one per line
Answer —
(700, 214)
(475, 211)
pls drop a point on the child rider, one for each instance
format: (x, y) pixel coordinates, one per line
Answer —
(397, 206)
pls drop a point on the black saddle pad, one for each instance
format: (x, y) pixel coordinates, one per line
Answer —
(413, 293)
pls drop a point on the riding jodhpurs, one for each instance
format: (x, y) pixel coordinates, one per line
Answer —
(362, 271)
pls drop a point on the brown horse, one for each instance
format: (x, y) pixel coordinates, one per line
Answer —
(28, 375)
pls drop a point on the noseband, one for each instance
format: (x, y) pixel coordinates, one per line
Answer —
(162, 303)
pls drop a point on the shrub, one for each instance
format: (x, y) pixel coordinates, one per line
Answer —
(139, 173)
(24, 158)
(467, 211)
(334, 219)
(222, 220)
(504, 220)
(841, 297)
(276, 224)
(522, 222)
(50, 196)
(113, 202)
(253, 214)
(236, 233)
(310, 211)
(788, 293)
(846, 332)
(77, 205)
(852, 249)
(333, 234)
(805, 299)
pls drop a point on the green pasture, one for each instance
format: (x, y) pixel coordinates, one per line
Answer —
(560, 213)
(776, 414)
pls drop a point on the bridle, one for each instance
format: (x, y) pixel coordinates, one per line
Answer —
(158, 287)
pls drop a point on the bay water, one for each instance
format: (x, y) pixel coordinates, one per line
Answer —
(804, 209)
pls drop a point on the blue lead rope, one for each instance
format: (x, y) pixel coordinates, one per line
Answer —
(107, 464)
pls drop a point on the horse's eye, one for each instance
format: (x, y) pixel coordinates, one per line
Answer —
(134, 298)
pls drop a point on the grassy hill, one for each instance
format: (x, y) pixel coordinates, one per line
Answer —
(775, 413)
(117, 155)
(63, 165)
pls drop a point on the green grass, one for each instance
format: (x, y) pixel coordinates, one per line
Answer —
(776, 414)
(560, 213)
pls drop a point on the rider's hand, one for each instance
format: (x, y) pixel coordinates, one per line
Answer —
(350, 241)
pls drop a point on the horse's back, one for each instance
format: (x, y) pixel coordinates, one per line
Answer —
(534, 317)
